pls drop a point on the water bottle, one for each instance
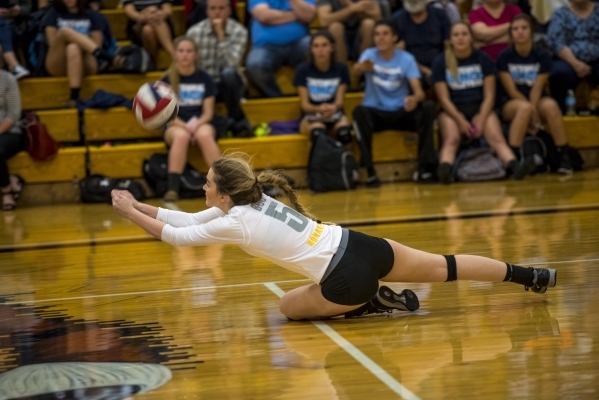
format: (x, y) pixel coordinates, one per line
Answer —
(570, 103)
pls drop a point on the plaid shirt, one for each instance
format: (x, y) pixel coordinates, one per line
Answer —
(216, 55)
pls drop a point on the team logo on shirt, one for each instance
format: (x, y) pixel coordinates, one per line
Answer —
(191, 94)
(82, 26)
(389, 78)
(470, 76)
(524, 74)
(322, 89)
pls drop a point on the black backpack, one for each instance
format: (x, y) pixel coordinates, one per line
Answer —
(155, 172)
(97, 188)
(552, 157)
(534, 147)
(132, 59)
(331, 167)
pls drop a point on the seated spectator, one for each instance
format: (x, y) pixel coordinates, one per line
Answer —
(11, 140)
(423, 31)
(322, 83)
(574, 37)
(393, 99)
(464, 80)
(192, 126)
(350, 22)
(198, 13)
(450, 9)
(524, 71)
(490, 26)
(74, 38)
(221, 42)
(150, 25)
(9, 11)
(279, 36)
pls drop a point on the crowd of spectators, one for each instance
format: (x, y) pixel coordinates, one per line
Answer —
(483, 69)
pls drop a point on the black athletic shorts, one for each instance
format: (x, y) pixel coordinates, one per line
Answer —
(469, 109)
(355, 278)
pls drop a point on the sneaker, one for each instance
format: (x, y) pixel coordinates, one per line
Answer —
(543, 278)
(565, 166)
(170, 196)
(20, 72)
(373, 181)
(521, 169)
(424, 177)
(406, 300)
(444, 173)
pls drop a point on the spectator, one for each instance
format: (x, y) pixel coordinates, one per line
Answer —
(423, 31)
(150, 25)
(74, 38)
(490, 26)
(192, 126)
(574, 37)
(199, 11)
(10, 10)
(221, 42)
(279, 36)
(350, 22)
(11, 140)
(322, 84)
(524, 71)
(450, 9)
(393, 99)
(464, 80)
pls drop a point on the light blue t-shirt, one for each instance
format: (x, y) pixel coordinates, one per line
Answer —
(277, 34)
(388, 84)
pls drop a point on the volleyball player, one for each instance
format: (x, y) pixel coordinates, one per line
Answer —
(345, 266)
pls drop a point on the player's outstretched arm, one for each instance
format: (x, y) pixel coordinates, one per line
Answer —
(123, 204)
(147, 209)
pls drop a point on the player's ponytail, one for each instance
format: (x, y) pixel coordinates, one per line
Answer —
(234, 176)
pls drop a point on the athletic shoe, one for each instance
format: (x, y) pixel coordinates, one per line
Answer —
(170, 196)
(373, 181)
(543, 279)
(406, 300)
(444, 173)
(565, 166)
(20, 72)
(520, 170)
(424, 177)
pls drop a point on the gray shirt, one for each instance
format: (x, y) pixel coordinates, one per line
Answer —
(353, 21)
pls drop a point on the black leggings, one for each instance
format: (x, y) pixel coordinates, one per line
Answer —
(10, 144)
(369, 120)
(355, 279)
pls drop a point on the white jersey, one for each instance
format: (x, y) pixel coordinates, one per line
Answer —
(267, 229)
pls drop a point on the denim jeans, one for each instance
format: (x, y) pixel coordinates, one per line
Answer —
(563, 78)
(6, 35)
(263, 62)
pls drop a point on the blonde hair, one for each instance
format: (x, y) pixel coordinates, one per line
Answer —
(172, 73)
(234, 176)
(451, 62)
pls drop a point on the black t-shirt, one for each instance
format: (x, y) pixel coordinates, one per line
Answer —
(424, 40)
(472, 71)
(84, 23)
(524, 70)
(193, 89)
(141, 4)
(322, 86)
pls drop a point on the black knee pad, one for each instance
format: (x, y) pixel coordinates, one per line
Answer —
(317, 131)
(452, 271)
(344, 134)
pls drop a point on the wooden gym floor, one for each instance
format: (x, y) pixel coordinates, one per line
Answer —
(80, 287)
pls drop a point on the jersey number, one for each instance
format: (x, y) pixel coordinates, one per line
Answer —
(292, 218)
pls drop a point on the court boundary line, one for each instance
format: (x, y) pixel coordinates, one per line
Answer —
(346, 224)
(218, 286)
(356, 353)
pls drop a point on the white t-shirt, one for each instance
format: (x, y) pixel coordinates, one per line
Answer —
(267, 229)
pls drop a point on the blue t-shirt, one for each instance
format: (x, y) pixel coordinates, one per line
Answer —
(388, 84)
(321, 85)
(424, 40)
(524, 70)
(83, 23)
(472, 71)
(193, 89)
(277, 34)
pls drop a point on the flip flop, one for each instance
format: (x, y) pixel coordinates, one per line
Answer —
(17, 193)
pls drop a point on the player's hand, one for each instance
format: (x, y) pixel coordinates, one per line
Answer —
(366, 66)
(410, 103)
(464, 126)
(123, 202)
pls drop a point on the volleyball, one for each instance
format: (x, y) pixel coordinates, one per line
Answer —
(155, 104)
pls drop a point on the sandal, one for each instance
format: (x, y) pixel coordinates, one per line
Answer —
(16, 193)
(10, 205)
